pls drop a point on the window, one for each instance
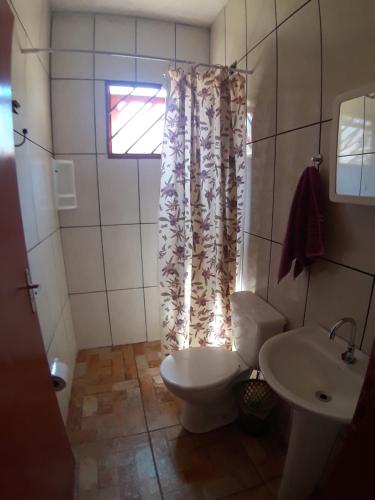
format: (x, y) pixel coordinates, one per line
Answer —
(135, 119)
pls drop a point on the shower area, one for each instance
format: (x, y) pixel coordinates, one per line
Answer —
(111, 240)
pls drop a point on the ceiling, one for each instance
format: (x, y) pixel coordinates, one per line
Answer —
(198, 12)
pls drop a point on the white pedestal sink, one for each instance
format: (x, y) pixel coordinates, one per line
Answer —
(305, 368)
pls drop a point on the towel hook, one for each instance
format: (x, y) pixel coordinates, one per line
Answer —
(317, 160)
(24, 133)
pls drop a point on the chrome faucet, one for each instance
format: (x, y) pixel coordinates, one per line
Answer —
(348, 355)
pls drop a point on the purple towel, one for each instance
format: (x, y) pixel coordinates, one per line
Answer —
(304, 235)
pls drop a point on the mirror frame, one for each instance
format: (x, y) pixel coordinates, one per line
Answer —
(333, 196)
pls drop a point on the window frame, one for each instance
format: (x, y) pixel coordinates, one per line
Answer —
(128, 156)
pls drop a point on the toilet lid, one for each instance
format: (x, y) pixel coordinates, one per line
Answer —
(200, 367)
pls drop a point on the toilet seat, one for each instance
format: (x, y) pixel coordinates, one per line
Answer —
(200, 367)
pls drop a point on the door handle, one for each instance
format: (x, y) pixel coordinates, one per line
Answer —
(31, 288)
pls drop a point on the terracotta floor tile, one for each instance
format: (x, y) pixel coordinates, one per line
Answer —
(75, 414)
(77, 437)
(84, 354)
(88, 474)
(130, 369)
(211, 465)
(125, 463)
(102, 494)
(161, 407)
(125, 420)
(80, 369)
(115, 391)
(267, 453)
(258, 493)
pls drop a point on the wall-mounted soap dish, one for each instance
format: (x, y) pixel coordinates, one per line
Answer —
(64, 184)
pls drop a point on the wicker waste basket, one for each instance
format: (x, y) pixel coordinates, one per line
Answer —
(256, 401)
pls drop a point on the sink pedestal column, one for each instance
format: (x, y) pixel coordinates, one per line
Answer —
(311, 441)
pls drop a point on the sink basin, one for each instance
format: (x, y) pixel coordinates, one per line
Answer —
(305, 368)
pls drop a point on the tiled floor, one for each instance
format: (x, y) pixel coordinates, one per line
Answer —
(125, 432)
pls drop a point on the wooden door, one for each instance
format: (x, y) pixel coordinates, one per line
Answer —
(36, 462)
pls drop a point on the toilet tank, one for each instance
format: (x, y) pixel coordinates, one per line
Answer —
(253, 322)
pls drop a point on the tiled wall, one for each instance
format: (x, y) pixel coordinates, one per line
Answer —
(302, 54)
(110, 241)
(30, 85)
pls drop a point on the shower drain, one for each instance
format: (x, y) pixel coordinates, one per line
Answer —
(323, 396)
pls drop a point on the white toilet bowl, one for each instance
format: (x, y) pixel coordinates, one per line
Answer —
(204, 377)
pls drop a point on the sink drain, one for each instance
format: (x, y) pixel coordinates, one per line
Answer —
(323, 396)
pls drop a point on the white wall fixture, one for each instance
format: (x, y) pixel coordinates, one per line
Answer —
(315, 376)
(64, 184)
(352, 178)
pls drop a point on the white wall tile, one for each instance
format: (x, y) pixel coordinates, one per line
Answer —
(87, 211)
(369, 337)
(217, 39)
(348, 37)
(299, 69)
(40, 163)
(293, 153)
(235, 30)
(152, 302)
(149, 188)
(285, 8)
(38, 103)
(64, 347)
(25, 189)
(260, 15)
(83, 259)
(114, 68)
(256, 261)
(152, 71)
(261, 89)
(192, 43)
(72, 31)
(349, 229)
(100, 118)
(59, 266)
(69, 330)
(259, 188)
(114, 34)
(118, 188)
(288, 296)
(58, 350)
(30, 86)
(42, 263)
(19, 75)
(35, 18)
(150, 254)
(90, 319)
(122, 256)
(73, 116)
(155, 38)
(336, 292)
(126, 309)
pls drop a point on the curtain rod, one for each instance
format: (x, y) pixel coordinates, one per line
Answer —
(133, 56)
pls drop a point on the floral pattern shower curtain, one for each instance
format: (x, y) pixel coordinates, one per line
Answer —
(201, 199)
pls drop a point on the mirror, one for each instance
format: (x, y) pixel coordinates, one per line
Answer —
(352, 176)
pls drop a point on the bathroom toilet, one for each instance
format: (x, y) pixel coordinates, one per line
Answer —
(204, 377)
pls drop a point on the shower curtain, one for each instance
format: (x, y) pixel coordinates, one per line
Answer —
(201, 199)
